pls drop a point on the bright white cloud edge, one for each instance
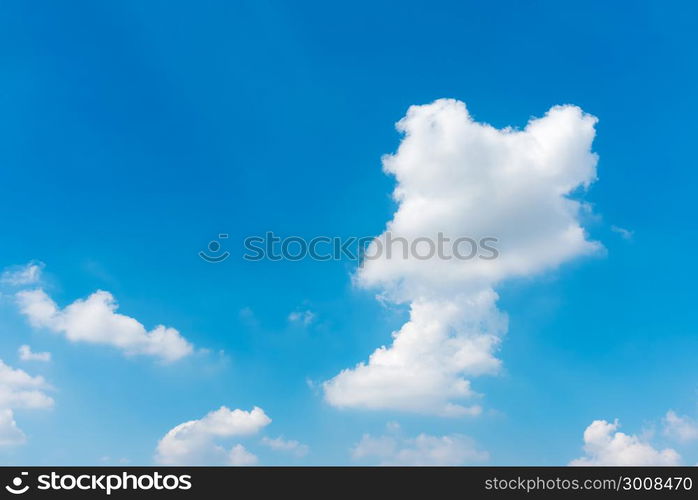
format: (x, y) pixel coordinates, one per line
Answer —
(679, 427)
(196, 442)
(291, 446)
(95, 320)
(19, 390)
(605, 445)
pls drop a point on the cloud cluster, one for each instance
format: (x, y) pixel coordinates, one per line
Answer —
(603, 445)
(19, 390)
(194, 442)
(462, 178)
(392, 449)
(95, 320)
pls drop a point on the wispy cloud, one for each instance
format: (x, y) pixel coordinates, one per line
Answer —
(28, 274)
(247, 316)
(304, 318)
(393, 449)
(626, 234)
(681, 428)
(26, 354)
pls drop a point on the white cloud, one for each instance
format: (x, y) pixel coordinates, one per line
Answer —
(26, 354)
(10, 434)
(95, 320)
(240, 456)
(302, 317)
(681, 428)
(604, 446)
(19, 390)
(626, 234)
(466, 179)
(454, 449)
(28, 274)
(279, 444)
(194, 442)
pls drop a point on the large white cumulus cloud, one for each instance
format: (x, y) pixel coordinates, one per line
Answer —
(462, 178)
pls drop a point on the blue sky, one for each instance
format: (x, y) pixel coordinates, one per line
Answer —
(134, 133)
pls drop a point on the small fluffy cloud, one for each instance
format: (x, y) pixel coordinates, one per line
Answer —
(603, 445)
(19, 390)
(293, 447)
(302, 317)
(194, 442)
(26, 354)
(680, 428)
(29, 274)
(454, 449)
(459, 178)
(95, 320)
